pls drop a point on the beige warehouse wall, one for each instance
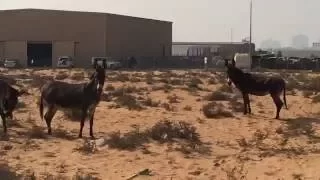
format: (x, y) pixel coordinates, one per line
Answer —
(128, 36)
(47, 25)
(62, 48)
(16, 50)
(94, 34)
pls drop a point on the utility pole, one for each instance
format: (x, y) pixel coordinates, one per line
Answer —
(250, 39)
(231, 35)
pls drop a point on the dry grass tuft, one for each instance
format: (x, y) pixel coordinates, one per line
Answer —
(87, 147)
(215, 110)
(129, 101)
(168, 107)
(217, 96)
(181, 133)
(225, 88)
(173, 99)
(187, 108)
(316, 99)
(151, 103)
(78, 76)
(61, 76)
(109, 87)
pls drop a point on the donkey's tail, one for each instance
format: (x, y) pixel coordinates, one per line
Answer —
(284, 96)
(41, 107)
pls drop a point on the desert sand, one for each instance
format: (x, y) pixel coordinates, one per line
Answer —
(237, 146)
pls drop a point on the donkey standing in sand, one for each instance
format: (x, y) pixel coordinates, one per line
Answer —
(85, 97)
(257, 85)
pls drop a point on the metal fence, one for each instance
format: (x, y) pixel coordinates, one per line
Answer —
(180, 62)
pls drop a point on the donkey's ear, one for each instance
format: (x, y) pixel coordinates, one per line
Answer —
(233, 63)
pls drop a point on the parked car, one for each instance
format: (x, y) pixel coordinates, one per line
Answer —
(11, 63)
(113, 64)
(108, 62)
(65, 62)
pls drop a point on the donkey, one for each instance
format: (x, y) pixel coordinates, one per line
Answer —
(256, 85)
(57, 95)
(8, 101)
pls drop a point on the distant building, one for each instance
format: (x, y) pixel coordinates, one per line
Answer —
(41, 36)
(209, 49)
(270, 44)
(300, 41)
(291, 52)
(316, 45)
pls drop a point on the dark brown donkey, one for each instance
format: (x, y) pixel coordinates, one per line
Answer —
(257, 85)
(57, 95)
(8, 101)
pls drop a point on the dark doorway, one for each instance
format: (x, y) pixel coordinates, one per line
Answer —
(39, 54)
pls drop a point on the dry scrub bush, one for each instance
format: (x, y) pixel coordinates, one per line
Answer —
(215, 110)
(61, 76)
(149, 78)
(129, 102)
(316, 99)
(166, 88)
(194, 83)
(176, 82)
(125, 90)
(129, 141)
(134, 79)
(151, 103)
(168, 107)
(164, 131)
(187, 108)
(78, 76)
(217, 96)
(212, 81)
(307, 94)
(109, 87)
(173, 99)
(87, 147)
(236, 106)
(225, 88)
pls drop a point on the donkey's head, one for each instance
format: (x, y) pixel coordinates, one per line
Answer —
(234, 74)
(11, 102)
(97, 78)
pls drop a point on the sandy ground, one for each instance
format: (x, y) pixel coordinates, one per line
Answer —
(253, 146)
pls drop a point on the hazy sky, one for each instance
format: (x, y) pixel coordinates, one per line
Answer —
(206, 20)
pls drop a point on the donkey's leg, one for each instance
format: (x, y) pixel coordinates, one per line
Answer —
(245, 103)
(278, 102)
(91, 116)
(49, 116)
(248, 103)
(83, 117)
(3, 116)
(4, 121)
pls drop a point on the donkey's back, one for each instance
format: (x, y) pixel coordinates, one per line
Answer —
(262, 85)
(63, 94)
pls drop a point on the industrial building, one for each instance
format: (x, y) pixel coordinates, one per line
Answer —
(44, 35)
(210, 49)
